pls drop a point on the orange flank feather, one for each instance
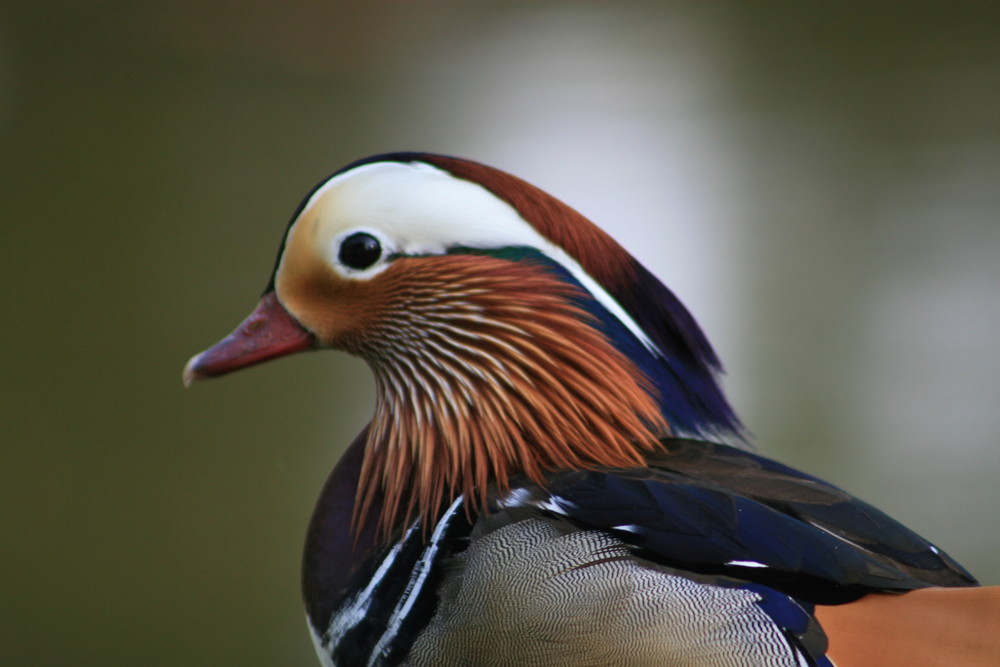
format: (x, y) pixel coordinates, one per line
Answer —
(462, 348)
(930, 627)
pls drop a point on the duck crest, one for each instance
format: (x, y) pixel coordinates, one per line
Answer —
(683, 368)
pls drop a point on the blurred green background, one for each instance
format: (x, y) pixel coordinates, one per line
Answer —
(819, 181)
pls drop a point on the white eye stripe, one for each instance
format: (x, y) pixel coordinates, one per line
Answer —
(417, 209)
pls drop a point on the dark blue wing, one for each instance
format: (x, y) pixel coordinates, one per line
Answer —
(714, 509)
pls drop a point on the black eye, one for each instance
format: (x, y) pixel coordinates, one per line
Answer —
(359, 251)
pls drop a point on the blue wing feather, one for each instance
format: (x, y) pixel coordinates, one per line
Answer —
(716, 509)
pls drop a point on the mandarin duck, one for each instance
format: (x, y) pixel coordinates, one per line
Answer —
(546, 479)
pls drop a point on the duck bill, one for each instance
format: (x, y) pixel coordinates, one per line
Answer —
(269, 332)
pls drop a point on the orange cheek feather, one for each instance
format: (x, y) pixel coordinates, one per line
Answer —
(336, 310)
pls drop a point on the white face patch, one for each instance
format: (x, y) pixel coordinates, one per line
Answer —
(417, 209)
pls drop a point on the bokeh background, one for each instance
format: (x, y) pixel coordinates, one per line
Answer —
(819, 181)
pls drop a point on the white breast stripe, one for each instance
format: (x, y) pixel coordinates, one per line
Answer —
(322, 650)
(416, 583)
(352, 614)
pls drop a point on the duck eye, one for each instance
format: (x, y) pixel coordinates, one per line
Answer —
(359, 251)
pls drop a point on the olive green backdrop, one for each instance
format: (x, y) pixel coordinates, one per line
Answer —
(819, 181)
